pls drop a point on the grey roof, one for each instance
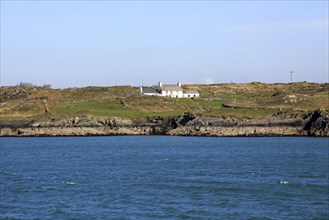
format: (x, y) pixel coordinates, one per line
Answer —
(171, 88)
(152, 91)
(190, 92)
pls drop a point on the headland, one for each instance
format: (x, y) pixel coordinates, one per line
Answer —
(251, 109)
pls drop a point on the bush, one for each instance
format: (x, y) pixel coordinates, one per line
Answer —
(26, 85)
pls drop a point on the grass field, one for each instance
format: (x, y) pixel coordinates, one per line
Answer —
(251, 100)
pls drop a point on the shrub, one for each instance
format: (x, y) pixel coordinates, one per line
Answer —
(26, 85)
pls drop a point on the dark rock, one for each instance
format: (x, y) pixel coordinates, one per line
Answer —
(186, 118)
(317, 123)
(14, 93)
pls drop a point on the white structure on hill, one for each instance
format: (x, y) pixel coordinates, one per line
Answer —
(173, 91)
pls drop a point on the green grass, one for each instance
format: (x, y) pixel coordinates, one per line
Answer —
(92, 108)
(110, 108)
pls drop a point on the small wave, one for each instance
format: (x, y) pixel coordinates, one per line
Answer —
(284, 182)
(69, 183)
(10, 173)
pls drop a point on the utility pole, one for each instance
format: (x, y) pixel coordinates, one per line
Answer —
(291, 72)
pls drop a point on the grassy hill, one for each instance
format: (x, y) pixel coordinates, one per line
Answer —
(252, 100)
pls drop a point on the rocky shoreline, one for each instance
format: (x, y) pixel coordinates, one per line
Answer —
(312, 124)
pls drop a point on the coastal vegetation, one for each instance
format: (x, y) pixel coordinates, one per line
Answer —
(251, 100)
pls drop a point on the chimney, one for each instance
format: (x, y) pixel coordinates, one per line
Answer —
(160, 84)
(141, 90)
(179, 84)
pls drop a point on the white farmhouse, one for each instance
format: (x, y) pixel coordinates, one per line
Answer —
(173, 91)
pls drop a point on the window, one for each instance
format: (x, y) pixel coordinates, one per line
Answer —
(188, 96)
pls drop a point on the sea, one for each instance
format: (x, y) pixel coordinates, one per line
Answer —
(164, 177)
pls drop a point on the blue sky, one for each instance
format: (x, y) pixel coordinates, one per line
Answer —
(105, 43)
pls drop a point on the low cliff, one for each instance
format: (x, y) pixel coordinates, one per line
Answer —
(312, 124)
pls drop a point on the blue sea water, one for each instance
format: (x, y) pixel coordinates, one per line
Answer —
(162, 177)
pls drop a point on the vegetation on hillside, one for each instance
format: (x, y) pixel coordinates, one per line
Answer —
(252, 100)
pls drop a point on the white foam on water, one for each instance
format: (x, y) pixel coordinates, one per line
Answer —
(284, 182)
(69, 183)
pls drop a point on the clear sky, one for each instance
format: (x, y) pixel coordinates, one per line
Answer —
(106, 43)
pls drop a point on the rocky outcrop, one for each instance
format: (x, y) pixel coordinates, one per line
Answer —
(74, 131)
(276, 125)
(13, 93)
(317, 124)
(313, 124)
